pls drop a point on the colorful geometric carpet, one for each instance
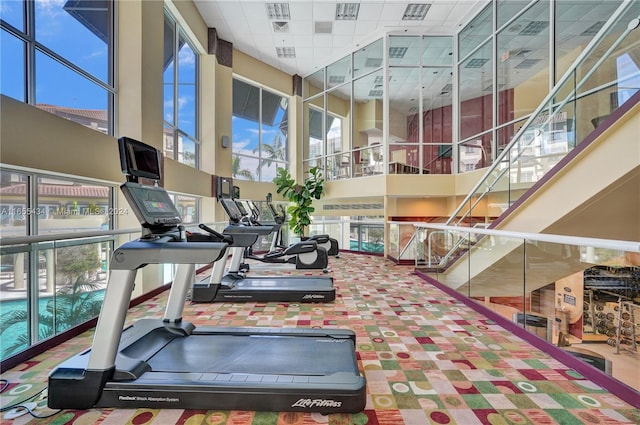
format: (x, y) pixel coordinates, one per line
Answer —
(427, 358)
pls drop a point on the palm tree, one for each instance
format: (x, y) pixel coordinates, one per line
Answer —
(77, 300)
(237, 172)
(274, 152)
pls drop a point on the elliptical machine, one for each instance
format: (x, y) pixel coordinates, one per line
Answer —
(325, 241)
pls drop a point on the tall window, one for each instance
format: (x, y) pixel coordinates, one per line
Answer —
(58, 56)
(260, 132)
(180, 96)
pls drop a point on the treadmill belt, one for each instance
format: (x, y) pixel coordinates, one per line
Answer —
(281, 355)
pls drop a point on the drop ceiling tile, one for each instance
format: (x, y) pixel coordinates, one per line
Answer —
(370, 10)
(302, 40)
(324, 10)
(344, 27)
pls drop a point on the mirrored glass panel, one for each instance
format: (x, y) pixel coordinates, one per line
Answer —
(507, 9)
(404, 104)
(437, 119)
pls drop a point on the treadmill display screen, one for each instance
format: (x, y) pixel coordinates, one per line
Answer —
(152, 205)
(231, 209)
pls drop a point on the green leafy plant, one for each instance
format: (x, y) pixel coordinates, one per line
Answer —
(301, 195)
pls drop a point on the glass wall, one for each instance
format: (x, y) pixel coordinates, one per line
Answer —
(346, 110)
(260, 130)
(58, 57)
(181, 88)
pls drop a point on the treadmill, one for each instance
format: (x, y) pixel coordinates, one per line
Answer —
(235, 286)
(169, 363)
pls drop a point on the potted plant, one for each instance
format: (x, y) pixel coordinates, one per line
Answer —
(301, 195)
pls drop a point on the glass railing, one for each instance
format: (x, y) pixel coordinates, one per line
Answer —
(604, 77)
(51, 283)
(563, 289)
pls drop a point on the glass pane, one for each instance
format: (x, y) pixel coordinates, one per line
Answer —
(12, 12)
(187, 150)
(339, 72)
(78, 31)
(476, 32)
(576, 26)
(275, 126)
(14, 275)
(335, 139)
(169, 145)
(368, 58)
(12, 63)
(65, 206)
(507, 9)
(168, 77)
(404, 50)
(80, 280)
(313, 84)
(244, 167)
(67, 94)
(475, 154)
(313, 128)
(188, 207)
(246, 128)
(523, 70)
(437, 51)
(13, 204)
(368, 109)
(437, 119)
(269, 168)
(187, 89)
(476, 110)
(404, 105)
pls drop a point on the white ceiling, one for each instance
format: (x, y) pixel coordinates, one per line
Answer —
(246, 24)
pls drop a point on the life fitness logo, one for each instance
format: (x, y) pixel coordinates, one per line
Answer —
(306, 403)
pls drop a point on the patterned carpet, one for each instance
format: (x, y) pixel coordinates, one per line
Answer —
(427, 358)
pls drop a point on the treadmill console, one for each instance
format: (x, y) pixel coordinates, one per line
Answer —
(231, 209)
(152, 205)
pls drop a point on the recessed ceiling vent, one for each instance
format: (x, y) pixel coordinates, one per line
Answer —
(416, 11)
(286, 52)
(280, 26)
(593, 29)
(279, 11)
(323, 27)
(534, 28)
(347, 11)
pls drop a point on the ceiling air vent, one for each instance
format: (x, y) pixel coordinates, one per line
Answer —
(593, 29)
(280, 26)
(279, 11)
(415, 11)
(323, 27)
(373, 63)
(476, 63)
(286, 52)
(397, 52)
(534, 28)
(527, 63)
(347, 11)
